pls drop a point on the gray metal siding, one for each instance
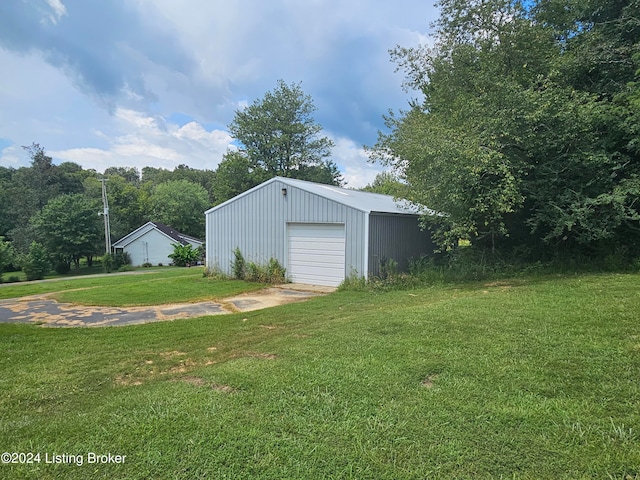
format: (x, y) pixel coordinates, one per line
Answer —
(256, 223)
(396, 237)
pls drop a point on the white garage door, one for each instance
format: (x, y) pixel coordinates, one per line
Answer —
(316, 253)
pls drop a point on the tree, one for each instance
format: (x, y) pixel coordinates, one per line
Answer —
(125, 203)
(47, 180)
(327, 173)
(527, 131)
(42, 179)
(155, 176)
(70, 228)
(8, 218)
(204, 178)
(235, 174)
(23, 192)
(279, 135)
(36, 263)
(130, 174)
(387, 184)
(69, 178)
(152, 177)
(180, 204)
(6, 255)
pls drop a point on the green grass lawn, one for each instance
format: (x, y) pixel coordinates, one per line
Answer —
(535, 378)
(147, 287)
(83, 270)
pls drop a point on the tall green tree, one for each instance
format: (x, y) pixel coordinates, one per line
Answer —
(155, 176)
(180, 204)
(7, 255)
(235, 174)
(279, 135)
(523, 132)
(35, 263)
(46, 180)
(42, 178)
(387, 184)
(7, 213)
(152, 176)
(25, 191)
(204, 178)
(130, 174)
(69, 228)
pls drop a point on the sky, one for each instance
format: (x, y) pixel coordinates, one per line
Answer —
(137, 83)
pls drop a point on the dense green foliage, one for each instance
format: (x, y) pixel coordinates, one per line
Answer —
(535, 378)
(526, 133)
(115, 261)
(238, 265)
(25, 191)
(128, 199)
(7, 255)
(184, 255)
(181, 204)
(387, 184)
(35, 263)
(272, 272)
(279, 137)
(235, 175)
(58, 206)
(69, 228)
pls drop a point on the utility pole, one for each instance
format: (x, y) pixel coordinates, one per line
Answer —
(105, 213)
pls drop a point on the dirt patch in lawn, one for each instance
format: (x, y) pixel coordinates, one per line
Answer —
(429, 380)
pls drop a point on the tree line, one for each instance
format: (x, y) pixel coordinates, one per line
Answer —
(525, 130)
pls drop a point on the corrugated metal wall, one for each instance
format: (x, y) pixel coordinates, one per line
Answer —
(396, 237)
(256, 223)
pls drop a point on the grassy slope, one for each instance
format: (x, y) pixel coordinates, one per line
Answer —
(151, 287)
(533, 379)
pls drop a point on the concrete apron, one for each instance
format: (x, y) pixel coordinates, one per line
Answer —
(42, 310)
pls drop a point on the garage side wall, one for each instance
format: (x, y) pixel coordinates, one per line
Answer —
(396, 237)
(257, 224)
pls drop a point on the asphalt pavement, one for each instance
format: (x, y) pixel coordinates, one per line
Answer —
(43, 310)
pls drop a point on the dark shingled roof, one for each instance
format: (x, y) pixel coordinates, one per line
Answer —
(173, 233)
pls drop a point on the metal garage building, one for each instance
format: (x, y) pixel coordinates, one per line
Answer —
(319, 233)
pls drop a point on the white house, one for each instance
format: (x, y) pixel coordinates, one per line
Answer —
(320, 233)
(153, 243)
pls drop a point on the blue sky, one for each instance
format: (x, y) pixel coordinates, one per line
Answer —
(156, 82)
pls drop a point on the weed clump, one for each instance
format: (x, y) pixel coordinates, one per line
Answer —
(272, 272)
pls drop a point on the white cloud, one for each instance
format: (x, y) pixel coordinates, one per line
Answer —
(11, 156)
(59, 10)
(353, 162)
(136, 120)
(109, 95)
(151, 141)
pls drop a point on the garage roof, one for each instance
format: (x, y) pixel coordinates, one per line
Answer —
(363, 201)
